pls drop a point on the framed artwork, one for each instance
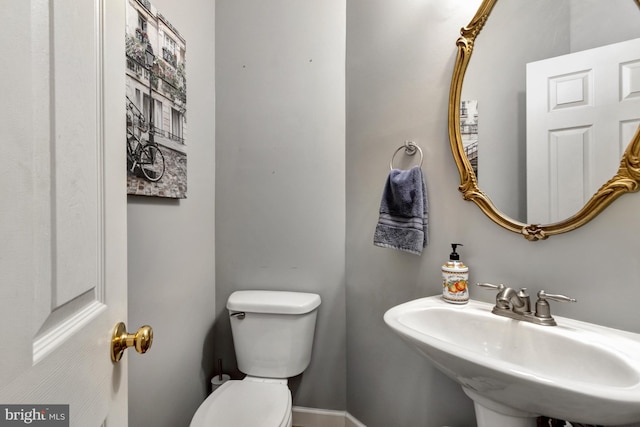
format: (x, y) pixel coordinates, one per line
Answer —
(156, 100)
(469, 131)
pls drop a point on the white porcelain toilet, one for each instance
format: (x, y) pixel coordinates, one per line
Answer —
(272, 335)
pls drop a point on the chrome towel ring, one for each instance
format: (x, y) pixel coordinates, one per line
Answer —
(410, 149)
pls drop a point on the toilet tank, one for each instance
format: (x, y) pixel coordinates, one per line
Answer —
(273, 331)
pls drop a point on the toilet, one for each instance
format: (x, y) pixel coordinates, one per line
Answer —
(272, 336)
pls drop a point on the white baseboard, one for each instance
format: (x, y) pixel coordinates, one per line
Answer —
(311, 417)
(350, 421)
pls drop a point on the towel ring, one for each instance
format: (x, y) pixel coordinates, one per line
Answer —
(410, 149)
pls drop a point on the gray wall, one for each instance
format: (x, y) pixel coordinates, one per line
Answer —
(280, 180)
(399, 61)
(172, 253)
(597, 23)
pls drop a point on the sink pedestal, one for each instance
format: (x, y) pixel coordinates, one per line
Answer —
(491, 414)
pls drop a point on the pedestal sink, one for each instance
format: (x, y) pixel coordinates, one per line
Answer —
(515, 371)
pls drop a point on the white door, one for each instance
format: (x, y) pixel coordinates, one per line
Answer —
(62, 207)
(582, 111)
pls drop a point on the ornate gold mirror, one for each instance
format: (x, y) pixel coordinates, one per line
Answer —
(547, 111)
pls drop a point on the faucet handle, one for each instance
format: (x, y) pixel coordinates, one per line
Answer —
(491, 286)
(543, 310)
(542, 295)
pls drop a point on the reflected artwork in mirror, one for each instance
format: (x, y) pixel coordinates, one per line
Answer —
(555, 87)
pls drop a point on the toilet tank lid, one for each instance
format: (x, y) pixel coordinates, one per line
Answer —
(274, 302)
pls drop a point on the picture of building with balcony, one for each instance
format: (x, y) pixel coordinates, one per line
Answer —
(156, 104)
(469, 131)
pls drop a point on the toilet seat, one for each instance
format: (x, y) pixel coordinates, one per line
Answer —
(246, 404)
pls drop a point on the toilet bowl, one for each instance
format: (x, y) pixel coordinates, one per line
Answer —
(251, 402)
(272, 336)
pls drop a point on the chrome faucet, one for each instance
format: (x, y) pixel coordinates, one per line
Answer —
(517, 304)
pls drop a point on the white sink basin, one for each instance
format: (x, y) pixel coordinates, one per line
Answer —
(575, 371)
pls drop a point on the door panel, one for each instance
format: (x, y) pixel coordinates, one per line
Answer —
(585, 107)
(63, 207)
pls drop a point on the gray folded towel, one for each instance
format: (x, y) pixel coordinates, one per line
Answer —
(403, 221)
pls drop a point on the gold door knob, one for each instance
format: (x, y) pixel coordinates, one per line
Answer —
(121, 340)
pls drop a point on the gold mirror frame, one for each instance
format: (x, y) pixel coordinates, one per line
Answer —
(626, 180)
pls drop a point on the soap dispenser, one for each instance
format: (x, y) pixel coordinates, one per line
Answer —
(455, 278)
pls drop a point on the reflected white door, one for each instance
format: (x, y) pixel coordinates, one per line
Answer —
(582, 111)
(63, 207)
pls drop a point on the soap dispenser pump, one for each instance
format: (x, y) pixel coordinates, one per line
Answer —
(455, 278)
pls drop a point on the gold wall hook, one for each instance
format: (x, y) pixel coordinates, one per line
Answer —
(121, 340)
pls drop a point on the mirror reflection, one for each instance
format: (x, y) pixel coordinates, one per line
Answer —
(550, 101)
